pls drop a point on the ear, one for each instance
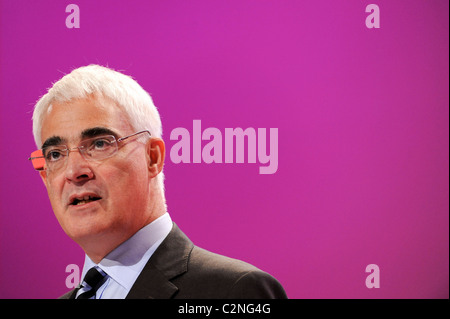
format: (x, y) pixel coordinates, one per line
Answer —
(156, 151)
(43, 175)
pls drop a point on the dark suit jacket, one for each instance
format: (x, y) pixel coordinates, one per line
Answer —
(179, 269)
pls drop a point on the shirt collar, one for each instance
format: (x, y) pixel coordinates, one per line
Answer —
(125, 262)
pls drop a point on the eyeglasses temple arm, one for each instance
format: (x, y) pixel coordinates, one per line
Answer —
(123, 138)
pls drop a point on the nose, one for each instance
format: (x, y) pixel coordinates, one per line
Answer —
(77, 167)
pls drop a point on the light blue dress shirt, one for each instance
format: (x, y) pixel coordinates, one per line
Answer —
(124, 264)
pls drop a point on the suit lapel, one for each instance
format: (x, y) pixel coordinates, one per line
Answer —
(169, 260)
(152, 284)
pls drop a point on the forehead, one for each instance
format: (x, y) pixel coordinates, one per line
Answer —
(69, 120)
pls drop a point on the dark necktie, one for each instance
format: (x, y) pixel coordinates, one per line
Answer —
(94, 280)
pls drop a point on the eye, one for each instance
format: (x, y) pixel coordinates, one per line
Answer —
(53, 155)
(100, 144)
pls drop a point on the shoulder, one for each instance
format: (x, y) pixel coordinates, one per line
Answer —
(67, 295)
(219, 276)
(206, 261)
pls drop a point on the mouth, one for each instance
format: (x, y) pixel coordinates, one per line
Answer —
(81, 200)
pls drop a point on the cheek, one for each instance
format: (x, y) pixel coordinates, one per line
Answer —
(128, 199)
(128, 183)
(54, 191)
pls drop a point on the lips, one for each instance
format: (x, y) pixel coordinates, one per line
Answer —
(81, 199)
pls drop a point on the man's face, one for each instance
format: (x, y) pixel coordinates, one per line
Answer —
(120, 183)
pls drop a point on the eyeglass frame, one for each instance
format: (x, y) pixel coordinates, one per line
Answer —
(38, 154)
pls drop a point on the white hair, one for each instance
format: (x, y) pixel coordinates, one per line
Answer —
(98, 80)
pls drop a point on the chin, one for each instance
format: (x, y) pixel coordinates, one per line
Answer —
(83, 232)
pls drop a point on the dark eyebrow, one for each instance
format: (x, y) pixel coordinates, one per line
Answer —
(87, 133)
(54, 140)
(96, 131)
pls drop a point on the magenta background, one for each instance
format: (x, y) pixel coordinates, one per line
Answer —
(363, 123)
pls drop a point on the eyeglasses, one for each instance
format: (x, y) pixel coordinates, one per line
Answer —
(97, 148)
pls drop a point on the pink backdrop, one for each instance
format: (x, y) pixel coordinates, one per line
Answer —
(363, 135)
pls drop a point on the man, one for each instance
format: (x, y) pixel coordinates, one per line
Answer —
(101, 158)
